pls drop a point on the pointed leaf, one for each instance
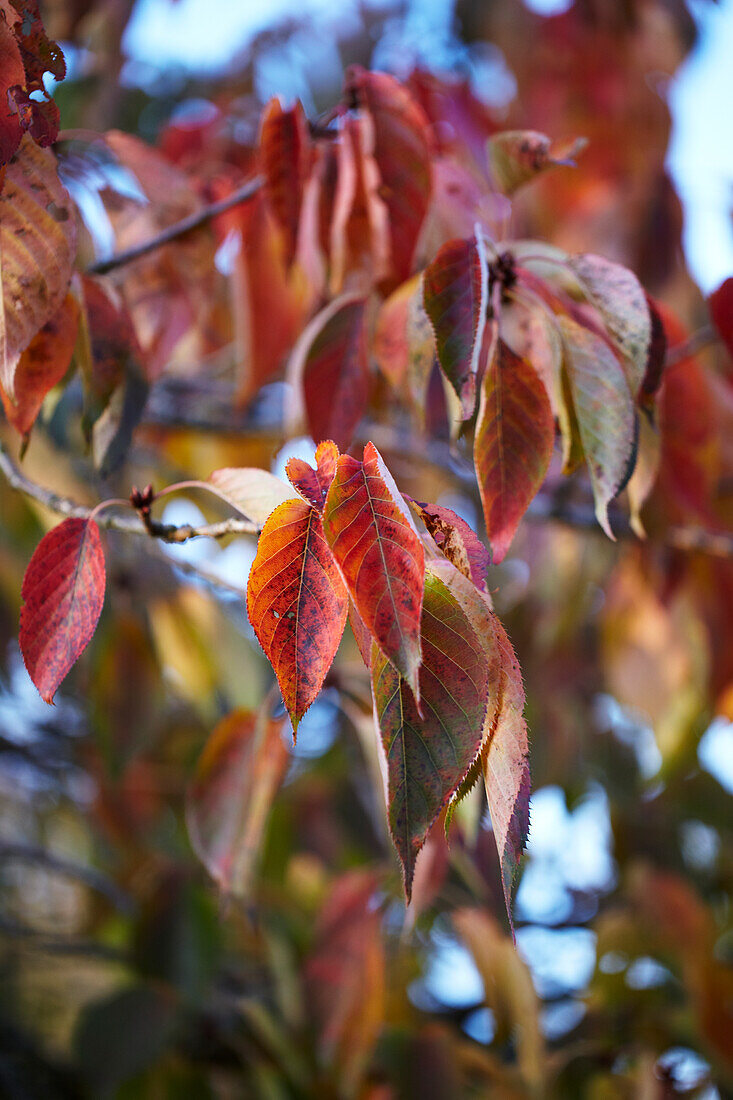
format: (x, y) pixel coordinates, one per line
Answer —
(457, 541)
(336, 374)
(37, 246)
(285, 156)
(63, 593)
(403, 156)
(296, 603)
(314, 484)
(369, 529)
(504, 755)
(604, 410)
(229, 799)
(619, 297)
(515, 434)
(456, 297)
(42, 366)
(253, 492)
(427, 758)
(517, 156)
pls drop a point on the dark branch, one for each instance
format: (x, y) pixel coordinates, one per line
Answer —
(173, 232)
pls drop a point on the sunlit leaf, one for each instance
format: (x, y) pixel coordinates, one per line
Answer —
(297, 603)
(230, 794)
(314, 484)
(37, 247)
(427, 758)
(604, 410)
(620, 299)
(517, 156)
(63, 593)
(456, 298)
(372, 536)
(515, 434)
(253, 492)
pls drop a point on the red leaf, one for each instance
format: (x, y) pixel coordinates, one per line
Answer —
(369, 529)
(296, 603)
(42, 366)
(314, 484)
(12, 73)
(721, 311)
(656, 357)
(428, 758)
(242, 765)
(457, 541)
(335, 371)
(63, 593)
(402, 152)
(456, 297)
(285, 156)
(515, 433)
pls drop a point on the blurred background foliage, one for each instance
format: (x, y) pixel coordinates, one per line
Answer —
(125, 973)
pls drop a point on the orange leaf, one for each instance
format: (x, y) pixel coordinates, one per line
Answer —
(285, 156)
(515, 433)
(296, 603)
(373, 539)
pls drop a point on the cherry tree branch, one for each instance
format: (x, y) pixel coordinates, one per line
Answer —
(703, 337)
(200, 217)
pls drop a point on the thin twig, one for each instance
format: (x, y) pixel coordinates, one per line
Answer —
(703, 337)
(179, 229)
(61, 865)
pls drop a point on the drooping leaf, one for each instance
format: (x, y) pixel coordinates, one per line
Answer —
(604, 409)
(285, 155)
(372, 536)
(108, 347)
(620, 299)
(253, 492)
(517, 156)
(37, 245)
(455, 297)
(314, 484)
(515, 434)
(345, 978)
(26, 54)
(335, 374)
(297, 603)
(229, 798)
(504, 755)
(456, 540)
(402, 154)
(720, 303)
(428, 758)
(404, 343)
(508, 989)
(42, 366)
(656, 358)
(63, 593)
(12, 75)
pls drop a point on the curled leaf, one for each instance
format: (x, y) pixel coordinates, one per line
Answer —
(517, 156)
(63, 594)
(456, 540)
(297, 603)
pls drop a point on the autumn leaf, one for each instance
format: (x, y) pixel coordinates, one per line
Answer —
(428, 757)
(312, 484)
(513, 443)
(335, 374)
(720, 304)
(253, 492)
(12, 74)
(517, 156)
(37, 247)
(404, 342)
(456, 297)
(372, 536)
(458, 542)
(42, 366)
(620, 299)
(108, 347)
(63, 593)
(345, 978)
(402, 154)
(297, 603)
(604, 409)
(656, 358)
(285, 156)
(229, 797)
